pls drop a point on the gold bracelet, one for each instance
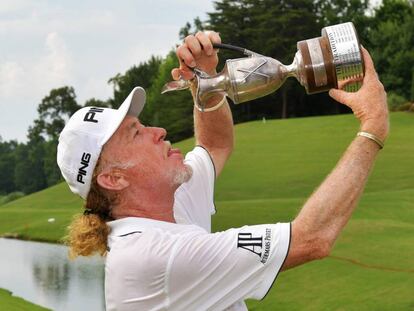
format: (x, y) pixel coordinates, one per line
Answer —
(372, 137)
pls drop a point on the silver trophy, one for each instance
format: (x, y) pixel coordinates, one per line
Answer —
(333, 60)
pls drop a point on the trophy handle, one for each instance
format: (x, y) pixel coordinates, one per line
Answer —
(236, 49)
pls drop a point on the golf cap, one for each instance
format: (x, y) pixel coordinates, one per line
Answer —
(82, 139)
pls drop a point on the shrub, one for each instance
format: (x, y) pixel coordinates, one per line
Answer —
(11, 197)
(406, 107)
(395, 101)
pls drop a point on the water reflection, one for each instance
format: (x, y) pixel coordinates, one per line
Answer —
(42, 273)
(52, 276)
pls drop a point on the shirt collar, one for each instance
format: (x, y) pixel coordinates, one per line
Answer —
(130, 224)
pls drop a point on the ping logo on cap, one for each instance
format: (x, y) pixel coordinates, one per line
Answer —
(89, 116)
(86, 157)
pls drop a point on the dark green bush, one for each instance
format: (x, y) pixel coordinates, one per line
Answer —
(11, 197)
(406, 107)
(396, 101)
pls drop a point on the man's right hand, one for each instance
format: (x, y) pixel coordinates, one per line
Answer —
(369, 104)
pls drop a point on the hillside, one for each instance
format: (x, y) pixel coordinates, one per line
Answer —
(275, 167)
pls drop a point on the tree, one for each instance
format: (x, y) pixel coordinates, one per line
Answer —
(51, 170)
(29, 173)
(391, 40)
(97, 103)
(54, 110)
(412, 86)
(36, 165)
(7, 163)
(197, 25)
(141, 75)
(173, 111)
(332, 12)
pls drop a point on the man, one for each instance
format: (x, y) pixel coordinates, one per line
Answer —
(157, 205)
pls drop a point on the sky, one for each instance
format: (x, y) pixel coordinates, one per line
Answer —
(46, 44)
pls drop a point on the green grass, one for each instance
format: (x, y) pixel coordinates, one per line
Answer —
(28, 217)
(11, 303)
(276, 165)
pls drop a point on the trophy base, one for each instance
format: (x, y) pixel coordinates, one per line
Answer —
(333, 60)
(318, 70)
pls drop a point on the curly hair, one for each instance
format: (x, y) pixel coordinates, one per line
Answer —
(88, 232)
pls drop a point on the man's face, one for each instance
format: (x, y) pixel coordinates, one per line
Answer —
(147, 160)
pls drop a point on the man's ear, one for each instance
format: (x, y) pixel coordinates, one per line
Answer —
(112, 180)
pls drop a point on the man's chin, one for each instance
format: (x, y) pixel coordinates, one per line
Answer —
(183, 174)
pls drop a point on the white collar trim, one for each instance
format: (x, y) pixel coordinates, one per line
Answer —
(130, 224)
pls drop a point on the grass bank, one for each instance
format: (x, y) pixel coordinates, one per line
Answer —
(11, 303)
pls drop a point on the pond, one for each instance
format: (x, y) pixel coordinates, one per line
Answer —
(43, 274)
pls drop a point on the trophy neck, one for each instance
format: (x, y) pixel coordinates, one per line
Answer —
(296, 69)
(291, 70)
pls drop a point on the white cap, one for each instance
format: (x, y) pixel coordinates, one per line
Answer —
(81, 141)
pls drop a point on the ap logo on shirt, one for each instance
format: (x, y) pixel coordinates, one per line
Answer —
(256, 243)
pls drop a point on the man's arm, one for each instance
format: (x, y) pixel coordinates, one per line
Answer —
(212, 130)
(316, 228)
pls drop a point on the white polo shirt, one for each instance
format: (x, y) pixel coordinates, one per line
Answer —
(156, 265)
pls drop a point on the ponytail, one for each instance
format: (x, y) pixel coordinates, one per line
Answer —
(88, 232)
(87, 236)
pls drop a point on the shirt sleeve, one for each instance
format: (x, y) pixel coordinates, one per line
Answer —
(194, 200)
(213, 271)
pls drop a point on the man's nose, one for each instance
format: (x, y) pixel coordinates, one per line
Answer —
(159, 134)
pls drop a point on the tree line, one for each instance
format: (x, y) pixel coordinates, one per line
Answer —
(269, 27)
